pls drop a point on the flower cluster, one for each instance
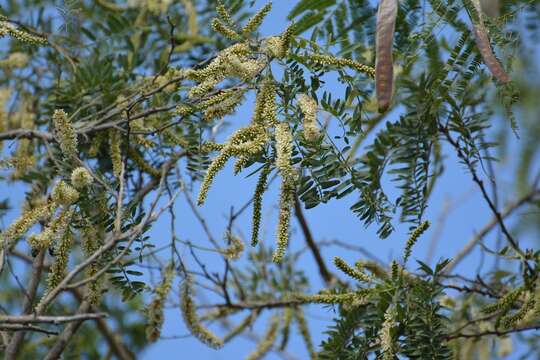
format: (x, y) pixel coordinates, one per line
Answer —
(65, 134)
(193, 323)
(267, 341)
(304, 331)
(154, 6)
(225, 30)
(231, 62)
(222, 104)
(238, 329)
(265, 104)
(504, 303)
(14, 60)
(81, 178)
(413, 238)
(155, 308)
(308, 107)
(257, 204)
(115, 147)
(385, 333)
(52, 232)
(64, 194)
(247, 141)
(340, 62)
(256, 21)
(353, 273)
(277, 46)
(287, 190)
(28, 218)
(58, 268)
(9, 29)
(235, 248)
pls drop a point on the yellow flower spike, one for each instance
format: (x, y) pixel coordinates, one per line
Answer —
(81, 178)
(287, 191)
(188, 309)
(257, 19)
(154, 310)
(64, 194)
(373, 267)
(27, 219)
(257, 204)
(340, 62)
(247, 141)
(65, 134)
(225, 30)
(91, 237)
(142, 164)
(353, 273)
(308, 107)
(304, 331)
(226, 106)
(510, 321)
(217, 164)
(58, 268)
(235, 249)
(505, 302)
(413, 238)
(9, 29)
(265, 104)
(385, 334)
(14, 61)
(286, 39)
(223, 13)
(247, 321)
(52, 232)
(115, 148)
(267, 340)
(345, 298)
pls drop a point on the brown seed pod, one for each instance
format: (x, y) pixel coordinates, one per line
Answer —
(484, 47)
(384, 67)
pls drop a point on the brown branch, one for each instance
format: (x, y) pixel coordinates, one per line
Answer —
(27, 319)
(488, 227)
(21, 327)
(493, 332)
(116, 346)
(327, 276)
(444, 130)
(67, 334)
(16, 341)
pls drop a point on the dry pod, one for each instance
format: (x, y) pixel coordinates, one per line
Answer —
(384, 67)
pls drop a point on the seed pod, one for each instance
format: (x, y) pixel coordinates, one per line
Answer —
(484, 47)
(384, 70)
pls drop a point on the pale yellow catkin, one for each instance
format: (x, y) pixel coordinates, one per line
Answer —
(257, 19)
(304, 331)
(192, 321)
(52, 232)
(9, 29)
(65, 134)
(257, 204)
(287, 190)
(81, 178)
(27, 219)
(385, 335)
(308, 107)
(59, 266)
(268, 339)
(154, 311)
(353, 273)
(115, 147)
